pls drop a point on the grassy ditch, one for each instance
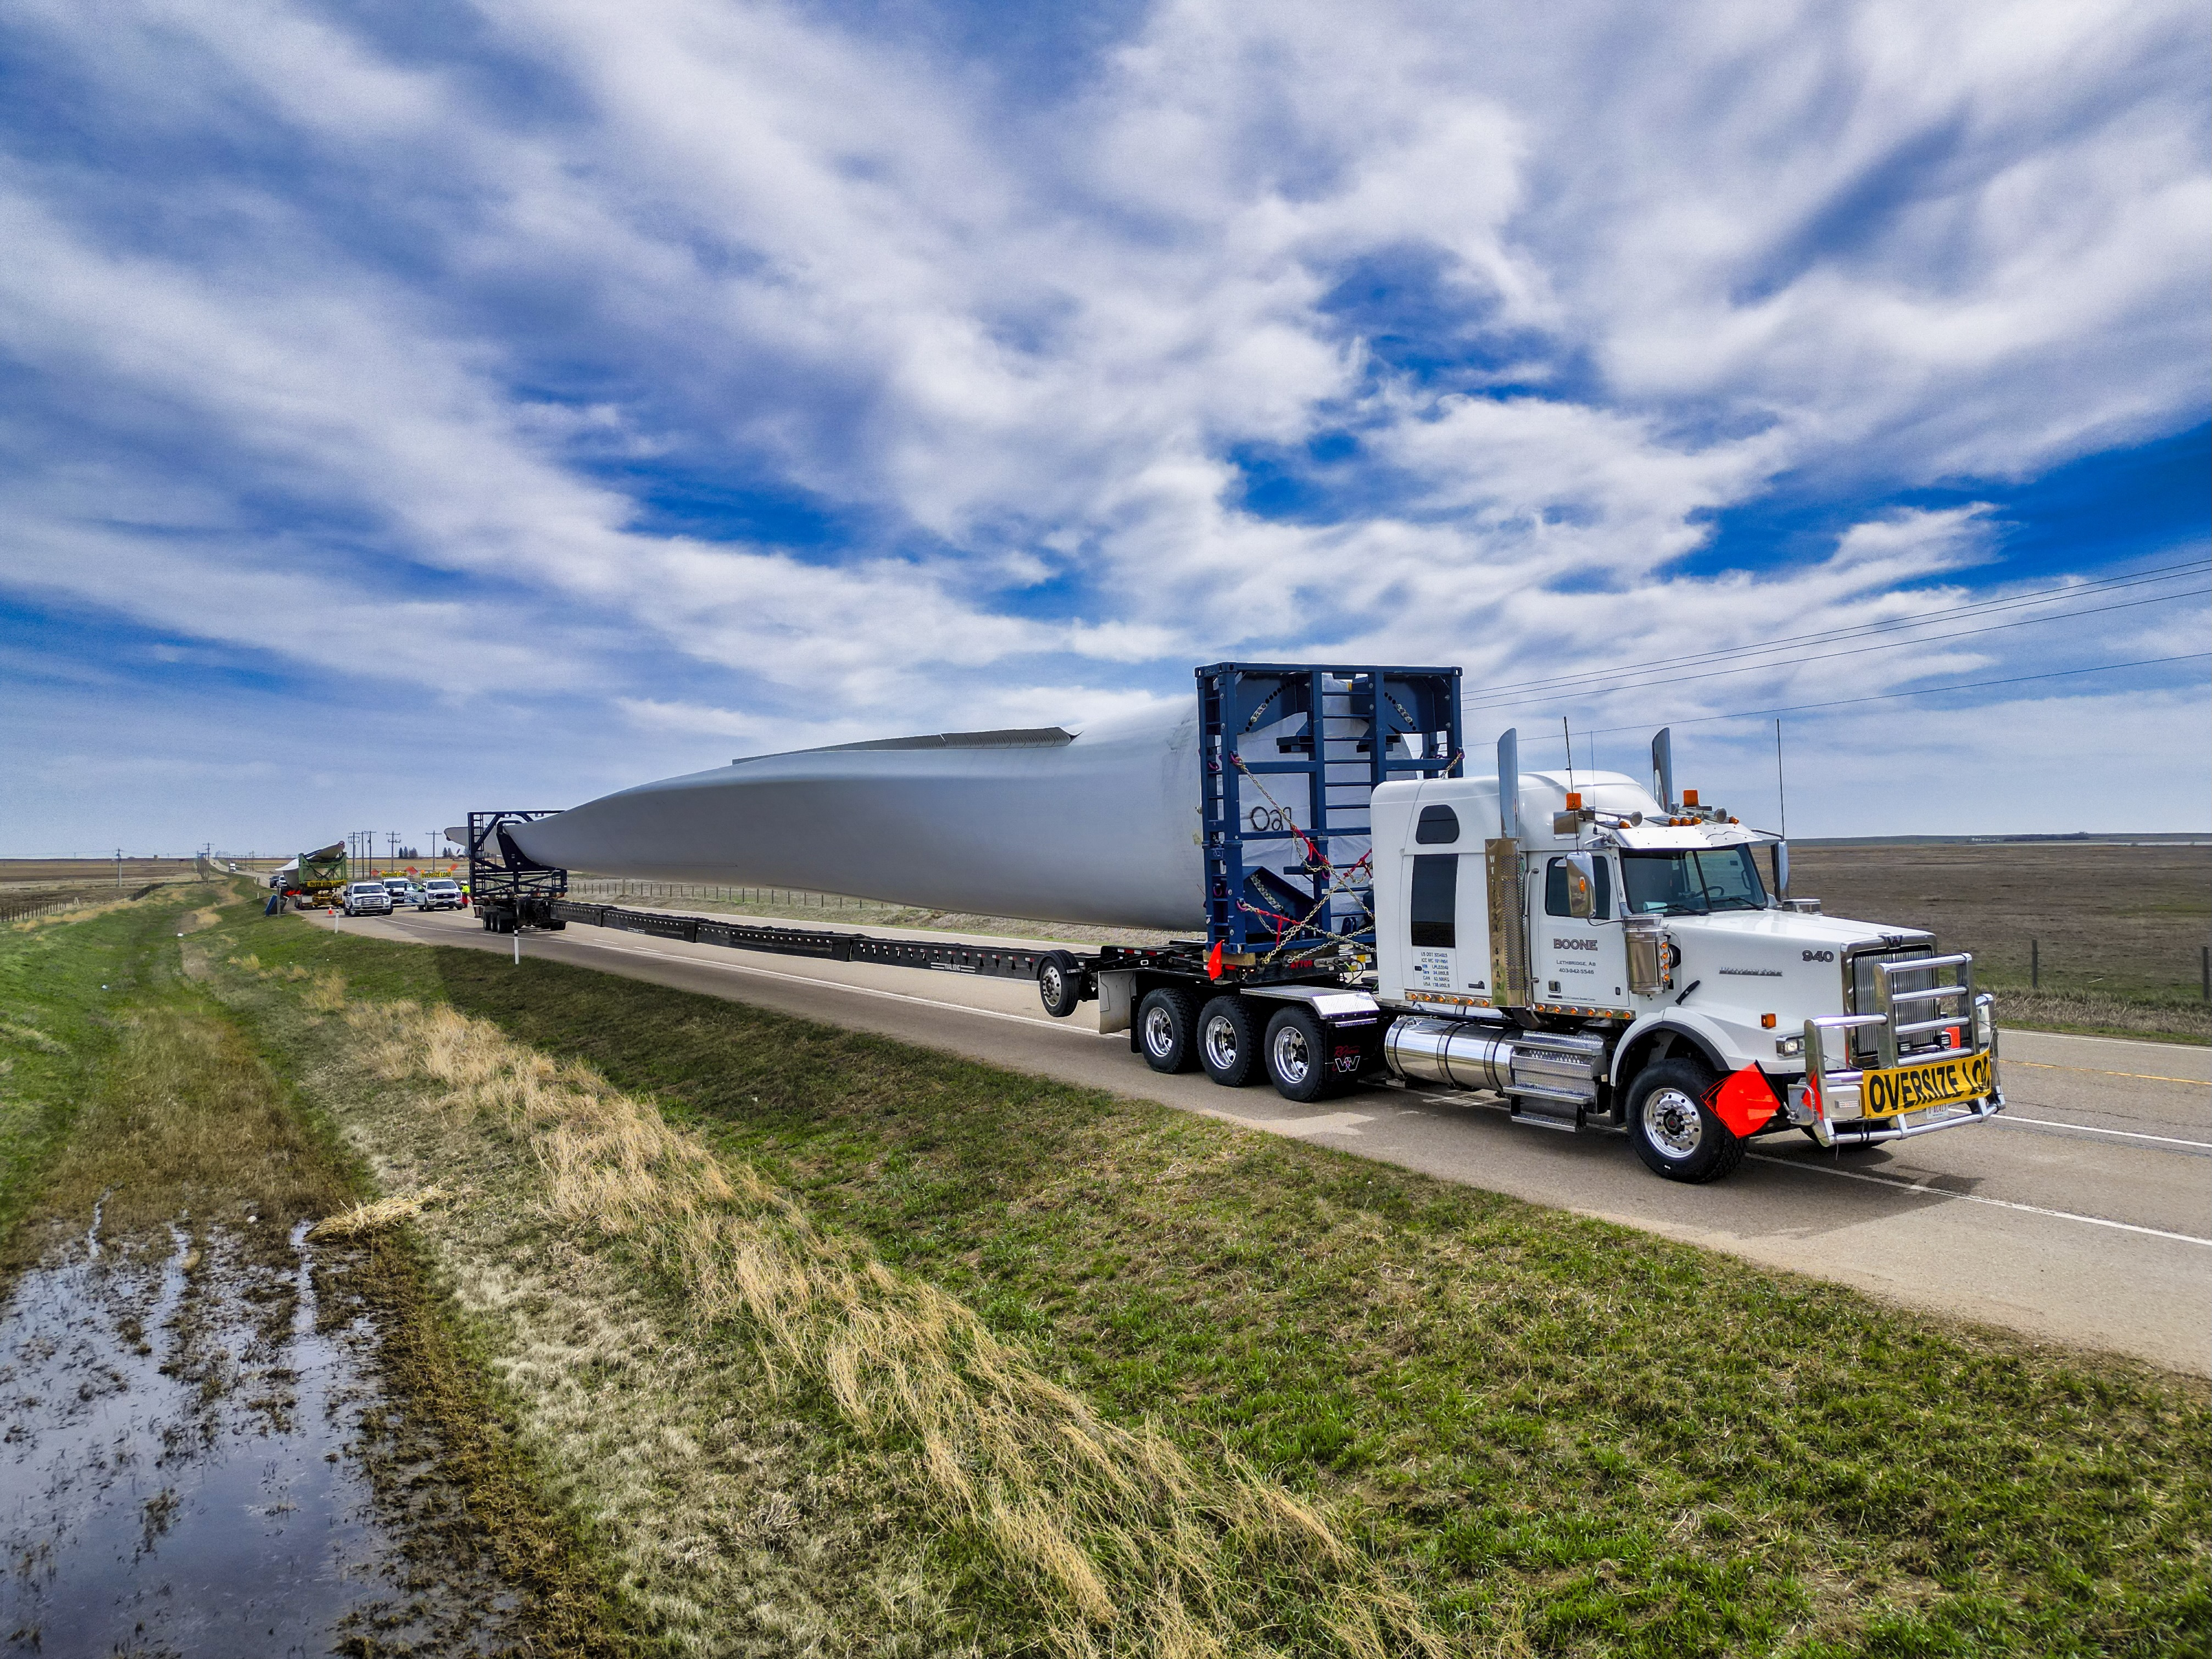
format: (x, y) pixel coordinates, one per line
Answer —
(61, 979)
(132, 1105)
(971, 1344)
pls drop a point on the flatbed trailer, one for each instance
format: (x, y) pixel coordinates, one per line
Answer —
(1599, 955)
(511, 892)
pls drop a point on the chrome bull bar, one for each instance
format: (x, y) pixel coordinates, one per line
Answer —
(1890, 1002)
(1814, 1106)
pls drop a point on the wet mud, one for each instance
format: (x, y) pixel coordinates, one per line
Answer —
(198, 1456)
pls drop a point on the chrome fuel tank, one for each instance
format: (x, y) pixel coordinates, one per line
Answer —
(1461, 1054)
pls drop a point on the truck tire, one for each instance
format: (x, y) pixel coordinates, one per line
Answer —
(1297, 1052)
(1229, 1042)
(1060, 984)
(1167, 1029)
(1677, 1135)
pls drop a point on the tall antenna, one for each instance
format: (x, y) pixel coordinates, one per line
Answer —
(1781, 792)
(1566, 733)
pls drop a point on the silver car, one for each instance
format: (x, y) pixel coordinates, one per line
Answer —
(367, 898)
(439, 893)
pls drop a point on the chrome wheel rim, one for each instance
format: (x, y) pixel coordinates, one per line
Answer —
(1673, 1123)
(1292, 1060)
(1159, 1033)
(1049, 980)
(1221, 1043)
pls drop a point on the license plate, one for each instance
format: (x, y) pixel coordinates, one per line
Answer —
(1937, 1082)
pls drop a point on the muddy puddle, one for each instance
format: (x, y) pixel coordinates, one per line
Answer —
(196, 1458)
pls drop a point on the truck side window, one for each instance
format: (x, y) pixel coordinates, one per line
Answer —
(1438, 827)
(1555, 889)
(1436, 899)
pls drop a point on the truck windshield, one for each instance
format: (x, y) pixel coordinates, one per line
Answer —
(1718, 878)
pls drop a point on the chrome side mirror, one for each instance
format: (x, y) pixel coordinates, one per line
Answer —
(1581, 885)
(1782, 869)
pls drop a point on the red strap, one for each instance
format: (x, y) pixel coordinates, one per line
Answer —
(1743, 1100)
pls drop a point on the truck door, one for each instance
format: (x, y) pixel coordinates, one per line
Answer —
(1575, 963)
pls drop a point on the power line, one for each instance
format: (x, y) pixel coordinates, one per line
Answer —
(2042, 596)
(1479, 704)
(1926, 691)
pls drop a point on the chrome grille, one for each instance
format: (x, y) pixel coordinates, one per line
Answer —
(1860, 998)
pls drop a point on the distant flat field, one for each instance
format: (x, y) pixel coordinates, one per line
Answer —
(2121, 920)
(82, 872)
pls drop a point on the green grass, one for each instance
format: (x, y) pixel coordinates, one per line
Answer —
(61, 983)
(1563, 1436)
(124, 1084)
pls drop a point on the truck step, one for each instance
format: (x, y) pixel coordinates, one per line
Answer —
(1565, 1116)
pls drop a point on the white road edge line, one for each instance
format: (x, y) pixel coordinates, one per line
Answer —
(1976, 1198)
(2091, 1129)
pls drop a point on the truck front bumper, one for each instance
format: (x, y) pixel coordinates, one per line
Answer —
(1827, 1104)
(1864, 1132)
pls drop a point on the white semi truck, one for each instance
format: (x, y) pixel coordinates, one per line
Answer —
(1598, 952)
(1600, 955)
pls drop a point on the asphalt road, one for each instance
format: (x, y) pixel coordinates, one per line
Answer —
(2083, 1215)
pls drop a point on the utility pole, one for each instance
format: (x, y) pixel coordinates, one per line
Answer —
(118, 869)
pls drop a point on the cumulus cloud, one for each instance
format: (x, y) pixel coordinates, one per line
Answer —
(751, 369)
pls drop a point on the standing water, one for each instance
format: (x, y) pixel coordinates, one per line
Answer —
(186, 1448)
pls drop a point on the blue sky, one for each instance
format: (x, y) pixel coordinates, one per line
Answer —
(403, 410)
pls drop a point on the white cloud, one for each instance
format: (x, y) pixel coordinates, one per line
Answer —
(416, 372)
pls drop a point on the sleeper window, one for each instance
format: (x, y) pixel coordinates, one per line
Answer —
(1436, 900)
(1438, 826)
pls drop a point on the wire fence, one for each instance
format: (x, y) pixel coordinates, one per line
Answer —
(788, 898)
(21, 907)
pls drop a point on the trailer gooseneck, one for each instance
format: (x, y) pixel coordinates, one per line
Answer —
(1600, 954)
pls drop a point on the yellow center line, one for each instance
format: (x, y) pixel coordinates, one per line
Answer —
(2099, 1071)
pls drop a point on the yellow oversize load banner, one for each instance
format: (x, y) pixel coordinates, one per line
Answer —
(1938, 1082)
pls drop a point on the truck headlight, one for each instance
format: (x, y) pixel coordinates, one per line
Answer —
(1791, 1045)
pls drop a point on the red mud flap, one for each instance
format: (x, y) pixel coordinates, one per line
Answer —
(1743, 1100)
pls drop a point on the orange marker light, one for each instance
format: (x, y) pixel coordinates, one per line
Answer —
(1767, 1021)
(1689, 798)
(1574, 801)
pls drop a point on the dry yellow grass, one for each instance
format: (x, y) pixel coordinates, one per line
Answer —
(82, 912)
(377, 1212)
(1123, 1544)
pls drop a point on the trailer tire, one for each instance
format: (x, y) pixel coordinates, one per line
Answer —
(1167, 1029)
(1296, 1051)
(1060, 984)
(1229, 1042)
(1677, 1135)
